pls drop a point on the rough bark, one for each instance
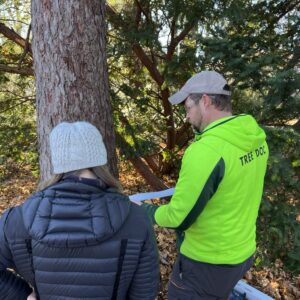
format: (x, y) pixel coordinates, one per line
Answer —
(152, 163)
(68, 48)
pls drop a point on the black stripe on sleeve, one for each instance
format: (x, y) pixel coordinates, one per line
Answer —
(207, 192)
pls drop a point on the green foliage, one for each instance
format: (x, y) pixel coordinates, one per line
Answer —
(17, 123)
(279, 221)
(278, 233)
(17, 110)
(255, 44)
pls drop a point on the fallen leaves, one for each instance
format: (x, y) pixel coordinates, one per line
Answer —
(15, 190)
(272, 280)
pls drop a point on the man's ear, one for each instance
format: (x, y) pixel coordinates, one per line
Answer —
(206, 101)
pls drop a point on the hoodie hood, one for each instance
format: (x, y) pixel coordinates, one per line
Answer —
(73, 214)
(241, 131)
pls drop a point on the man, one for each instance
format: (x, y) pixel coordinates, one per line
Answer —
(218, 193)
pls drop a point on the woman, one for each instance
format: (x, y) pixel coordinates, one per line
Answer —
(78, 237)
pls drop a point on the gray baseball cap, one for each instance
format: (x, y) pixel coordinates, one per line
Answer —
(205, 82)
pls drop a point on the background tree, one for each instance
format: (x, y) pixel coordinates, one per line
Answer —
(17, 92)
(70, 67)
(69, 53)
(155, 46)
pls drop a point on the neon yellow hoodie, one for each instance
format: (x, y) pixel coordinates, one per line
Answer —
(218, 192)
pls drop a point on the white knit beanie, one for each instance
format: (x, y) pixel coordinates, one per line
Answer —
(76, 146)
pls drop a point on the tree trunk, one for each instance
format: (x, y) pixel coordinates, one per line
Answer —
(141, 167)
(152, 163)
(150, 177)
(70, 70)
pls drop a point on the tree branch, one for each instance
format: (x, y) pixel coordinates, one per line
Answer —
(284, 8)
(13, 20)
(130, 130)
(138, 16)
(183, 135)
(155, 109)
(152, 163)
(20, 103)
(140, 165)
(26, 48)
(143, 57)
(175, 41)
(16, 70)
(139, 6)
(172, 29)
(137, 49)
(156, 76)
(15, 37)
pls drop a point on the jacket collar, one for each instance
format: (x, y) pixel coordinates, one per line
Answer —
(198, 134)
(87, 181)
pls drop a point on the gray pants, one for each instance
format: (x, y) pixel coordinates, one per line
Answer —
(193, 280)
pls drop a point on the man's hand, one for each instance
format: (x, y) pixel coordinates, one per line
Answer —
(150, 210)
(32, 296)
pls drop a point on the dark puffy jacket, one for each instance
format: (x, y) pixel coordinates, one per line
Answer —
(76, 241)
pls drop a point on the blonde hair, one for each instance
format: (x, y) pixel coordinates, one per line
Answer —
(105, 178)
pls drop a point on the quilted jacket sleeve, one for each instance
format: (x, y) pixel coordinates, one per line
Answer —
(12, 286)
(145, 283)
